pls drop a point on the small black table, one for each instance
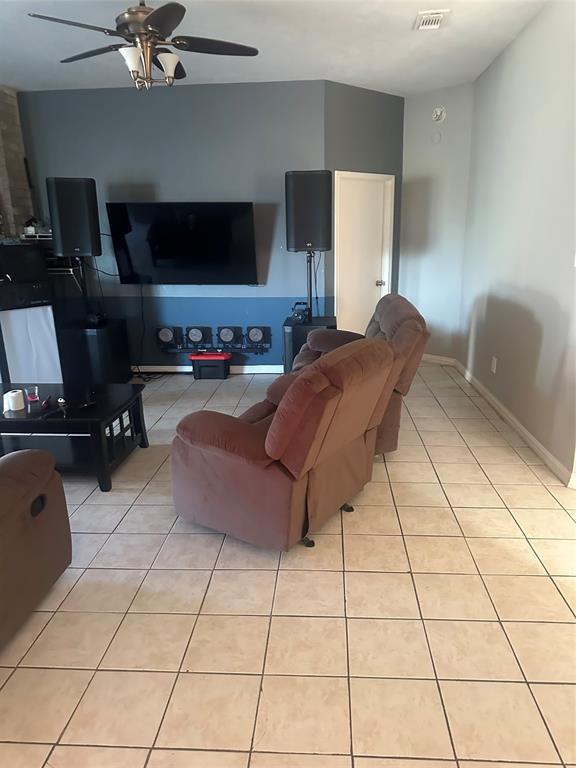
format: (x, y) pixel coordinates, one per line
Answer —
(95, 430)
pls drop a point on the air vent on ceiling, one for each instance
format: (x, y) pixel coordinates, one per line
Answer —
(430, 19)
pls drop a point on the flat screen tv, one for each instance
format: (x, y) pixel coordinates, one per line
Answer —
(184, 243)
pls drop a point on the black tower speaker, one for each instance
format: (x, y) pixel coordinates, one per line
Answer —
(309, 210)
(74, 216)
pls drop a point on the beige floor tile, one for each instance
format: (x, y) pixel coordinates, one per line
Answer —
(546, 523)
(157, 492)
(419, 495)
(309, 593)
(288, 715)
(439, 554)
(35, 704)
(388, 648)
(439, 424)
(374, 520)
(101, 717)
(307, 646)
(558, 705)
(412, 472)
(232, 644)
(189, 550)
(558, 556)
(485, 440)
(473, 426)
(332, 525)
(374, 762)
(527, 454)
(171, 592)
(239, 554)
(510, 474)
(16, 648)
(428, 521)
(566, 496)
(408, 453)
(496, 721)
(499, 454)
(97, 518)
(325, 556)
(453, 597)
(547, 652)
(73, 640)
(363, 552)
(505, 556)
(211, 712)
(527, 598)
(408, 438)
(129, 550)
(85, 547)
(380, 595)
(486, 522)
(103, 590)
(268, 760)
(472, 495)
(378, 494)
(23, 755)
(148, 518)
(475, 650)
(527, 497)
(154, 642)
(460, 473)
(97, 757)
(168, 758)
(403, 718)
(442, 439)
(423, 407)
(124, 492)
(447, 454)
(5, 673)
(545, 475)
(77, 493)
(567, 585)
(61, 588)
(380, 472)
(240, 592)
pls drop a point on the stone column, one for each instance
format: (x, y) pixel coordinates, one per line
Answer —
(15, 197)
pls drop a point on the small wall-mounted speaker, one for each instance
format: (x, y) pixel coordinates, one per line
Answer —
(229, 336)
(170, 337)
(258, 335)
(309, 210)
(198, 336)
(74, 216)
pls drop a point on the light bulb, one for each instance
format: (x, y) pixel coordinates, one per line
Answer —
(133, 58)
(169, 62)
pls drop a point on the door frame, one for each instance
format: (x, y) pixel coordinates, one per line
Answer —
(388, 223)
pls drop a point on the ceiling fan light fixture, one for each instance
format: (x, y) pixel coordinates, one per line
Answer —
(169, 62)
(133, 59)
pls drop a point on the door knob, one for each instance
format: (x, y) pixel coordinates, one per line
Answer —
(380, 282)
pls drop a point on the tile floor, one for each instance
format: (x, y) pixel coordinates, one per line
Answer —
(433, 626)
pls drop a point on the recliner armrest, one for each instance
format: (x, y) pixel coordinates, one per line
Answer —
(221, 432)
(327, 339)
(23, 475)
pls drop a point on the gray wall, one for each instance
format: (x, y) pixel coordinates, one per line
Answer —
(518, 297)
(434, 204)
(364, 132)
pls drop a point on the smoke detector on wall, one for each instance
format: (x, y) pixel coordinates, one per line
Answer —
(431, 19)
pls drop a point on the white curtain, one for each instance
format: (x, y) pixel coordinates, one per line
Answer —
(30, 343)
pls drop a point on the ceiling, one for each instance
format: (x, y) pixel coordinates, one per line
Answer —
(363, 43)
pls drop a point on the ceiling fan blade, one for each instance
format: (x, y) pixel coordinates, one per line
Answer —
(76, 24)
(179, 72)
(95, 52)
(207, 45)
(165, 19)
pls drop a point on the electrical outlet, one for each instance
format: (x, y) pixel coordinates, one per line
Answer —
(494, 364)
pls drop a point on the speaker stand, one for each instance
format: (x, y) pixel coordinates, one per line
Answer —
(310, 256)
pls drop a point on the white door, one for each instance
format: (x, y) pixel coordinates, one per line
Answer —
(363, 230)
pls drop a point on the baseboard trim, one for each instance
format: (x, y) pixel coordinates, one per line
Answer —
(561, 472)
(234, 369)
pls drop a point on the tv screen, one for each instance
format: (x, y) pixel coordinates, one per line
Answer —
(184, 243)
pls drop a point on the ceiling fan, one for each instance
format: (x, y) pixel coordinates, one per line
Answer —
(145, 32)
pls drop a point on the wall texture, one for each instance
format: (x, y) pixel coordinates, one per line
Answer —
(518, 294)
(434, 203)
(207, 143)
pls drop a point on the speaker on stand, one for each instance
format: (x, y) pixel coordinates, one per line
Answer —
(308, 230)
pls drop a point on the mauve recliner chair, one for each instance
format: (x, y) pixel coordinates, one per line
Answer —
(271, 478)
(397, 321)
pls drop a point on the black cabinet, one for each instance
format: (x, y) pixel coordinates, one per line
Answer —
(295, 333)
